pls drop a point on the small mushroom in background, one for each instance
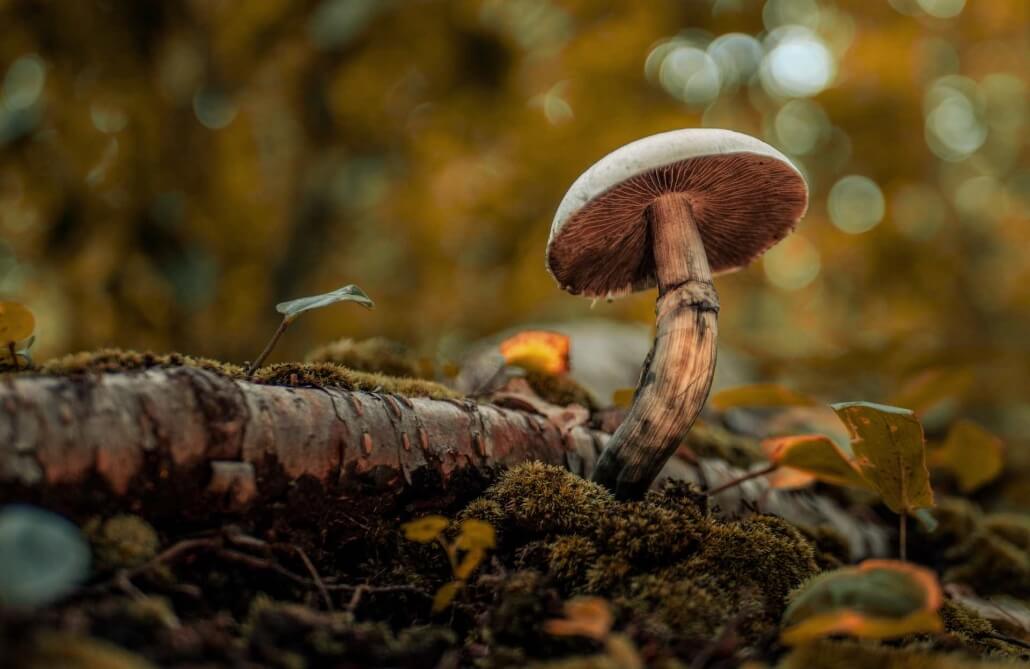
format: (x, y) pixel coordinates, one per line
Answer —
(670, 210)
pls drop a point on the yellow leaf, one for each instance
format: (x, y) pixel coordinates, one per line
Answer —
(584, 616)
(788, 478)
(623, 397)
(537, 350)
(469, 563)
(971, 453)
(445, 595)
(890, 453)
(16, 323)
(476, 535)
(425, 529)
(877, 599)
(817, 456)
(759, 395)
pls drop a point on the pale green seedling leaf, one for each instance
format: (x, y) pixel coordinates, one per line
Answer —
(349, 293)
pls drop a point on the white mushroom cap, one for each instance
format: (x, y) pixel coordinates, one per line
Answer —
(744, 195)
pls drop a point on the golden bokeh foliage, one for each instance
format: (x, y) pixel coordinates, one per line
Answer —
(171, 171)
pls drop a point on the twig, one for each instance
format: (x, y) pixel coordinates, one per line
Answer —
(746, 477)
(316, 578)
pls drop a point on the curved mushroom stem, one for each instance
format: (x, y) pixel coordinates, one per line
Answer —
(677, 374)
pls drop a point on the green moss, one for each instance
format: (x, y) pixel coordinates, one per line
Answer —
(642, 532)
(569, 559)
(827, 654)
(376, 355)
(831, 547)
(607, 574)
(330, 374)
(545, 499)
(121, 542)
(111, 360)
(995, 558)
(559, 389)
(973, 632)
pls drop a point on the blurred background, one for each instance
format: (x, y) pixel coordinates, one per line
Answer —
(169, 171)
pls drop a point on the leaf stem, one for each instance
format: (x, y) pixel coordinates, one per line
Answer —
(14, 355)
(903, 536)
(253, 367)
(771, 467)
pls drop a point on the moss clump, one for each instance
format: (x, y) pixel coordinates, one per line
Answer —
(973, 632)
(546, 499)
(995, 559)
(826, 654)
(642, 532)
(670, 568)
(330, 374)
(374, 355)
(122, 542)
(559, 389)
(112, 360)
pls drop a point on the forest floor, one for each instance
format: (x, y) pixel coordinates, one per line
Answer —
(661, 582)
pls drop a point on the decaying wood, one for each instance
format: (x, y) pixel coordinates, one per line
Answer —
(678, 374)
(189, 432)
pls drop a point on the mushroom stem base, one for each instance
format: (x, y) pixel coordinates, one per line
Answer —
(677, 374)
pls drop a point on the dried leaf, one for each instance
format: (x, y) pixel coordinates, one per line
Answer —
(584, 616)
(877, 599)
(348, 293)
(759, 395)
(16, 323)
(476, 535)
(971, 453)
(445, 595)
(817, 456)
(890, 453)
(623, 397)
(538, 350)
(425, 529)
(518, 394)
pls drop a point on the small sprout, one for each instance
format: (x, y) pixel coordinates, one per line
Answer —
(473, 540)
(878, 599)
(971, 453)
(43, 557)
(537, 350)
(890, 453)
(760, 395)
(294, 308)
(16, 324)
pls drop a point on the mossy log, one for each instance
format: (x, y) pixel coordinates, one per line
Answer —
(193, 441)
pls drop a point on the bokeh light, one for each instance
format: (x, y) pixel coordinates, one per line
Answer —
(856, 204)
(798, 63)
(792, 264)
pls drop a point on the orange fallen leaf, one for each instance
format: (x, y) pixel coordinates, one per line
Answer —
(16, 323)
(584, 616)
(878, 599)
(971, 453)
(537, 350)
(816, 456)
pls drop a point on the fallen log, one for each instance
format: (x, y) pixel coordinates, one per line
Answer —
(188, 441)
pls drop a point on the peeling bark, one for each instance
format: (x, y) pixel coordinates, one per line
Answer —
(193, 439)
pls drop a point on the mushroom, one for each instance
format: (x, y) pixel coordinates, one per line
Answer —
(670, 210)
